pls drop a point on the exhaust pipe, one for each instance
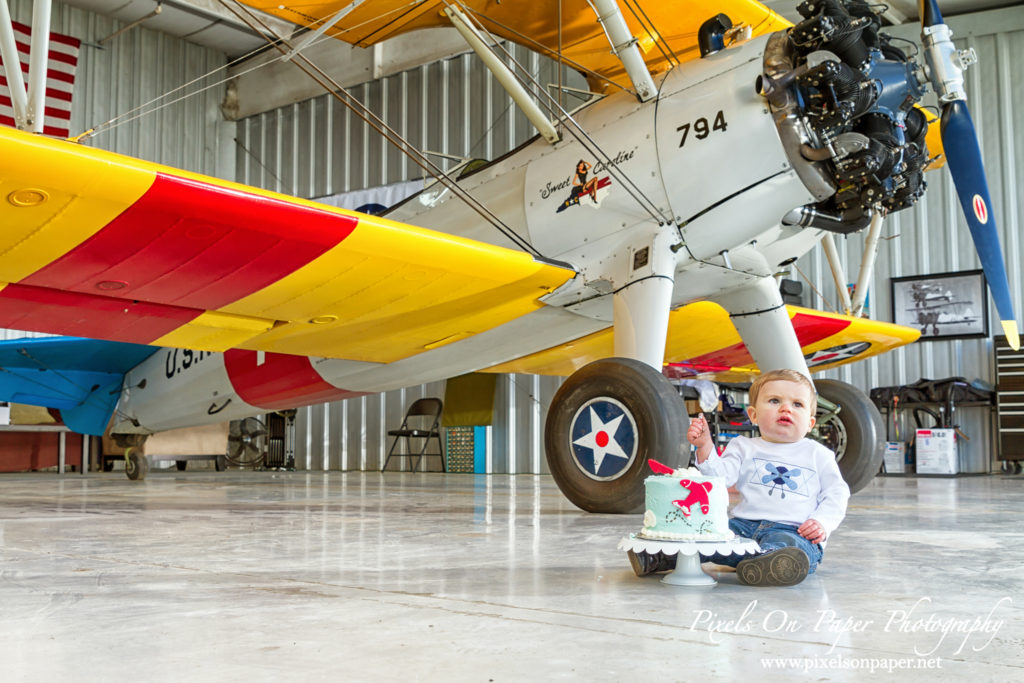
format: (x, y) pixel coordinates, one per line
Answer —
(848, 221)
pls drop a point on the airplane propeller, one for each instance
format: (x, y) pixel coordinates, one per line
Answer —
(963, 156)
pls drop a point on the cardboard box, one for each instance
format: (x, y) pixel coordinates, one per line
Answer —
(693, 408)
(936, 451)
(897, 459)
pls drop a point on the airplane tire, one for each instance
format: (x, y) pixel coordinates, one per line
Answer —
(181, 465)
(135, 465)
(649, 422)
(856, 434)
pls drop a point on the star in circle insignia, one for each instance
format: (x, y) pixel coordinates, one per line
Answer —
(601, 439)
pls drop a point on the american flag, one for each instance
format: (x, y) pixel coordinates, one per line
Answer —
(60, 80)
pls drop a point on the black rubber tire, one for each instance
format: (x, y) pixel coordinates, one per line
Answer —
(661, 424)
(108, 465)
(135, 465)
(220, 463)
(181, 465)
(860, 454)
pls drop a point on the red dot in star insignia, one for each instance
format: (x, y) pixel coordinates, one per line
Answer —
(601, 439)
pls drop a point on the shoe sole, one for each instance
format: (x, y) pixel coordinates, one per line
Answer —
(655, 564)
(782, 567)
(636, 564)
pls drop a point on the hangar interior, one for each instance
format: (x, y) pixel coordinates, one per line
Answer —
(494, 562)
(178, 88)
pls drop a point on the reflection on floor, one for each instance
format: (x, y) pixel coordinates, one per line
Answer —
(357, 576)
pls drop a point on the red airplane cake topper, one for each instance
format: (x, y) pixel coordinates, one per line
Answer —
(698, 490)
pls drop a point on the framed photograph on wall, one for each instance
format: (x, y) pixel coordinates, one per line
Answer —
(942, 306)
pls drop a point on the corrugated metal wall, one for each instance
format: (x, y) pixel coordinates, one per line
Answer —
(350, 434)
(318, 148)
(131, 70)
(135, 68)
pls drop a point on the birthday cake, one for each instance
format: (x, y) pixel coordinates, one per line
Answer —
(684, 505)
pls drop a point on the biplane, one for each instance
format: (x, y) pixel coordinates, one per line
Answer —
(633, 239)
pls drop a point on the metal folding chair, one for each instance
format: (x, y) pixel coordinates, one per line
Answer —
(422, 421)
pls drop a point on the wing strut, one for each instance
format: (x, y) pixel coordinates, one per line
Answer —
(573, 128)
(12, 67)
(39, 55)
(867, 264)
(854, 307)
(624, 47)
(504, 75)
(828, 243)
(342, 94)
(29, 106)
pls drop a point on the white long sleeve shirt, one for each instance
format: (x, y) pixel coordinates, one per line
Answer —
(782, 482)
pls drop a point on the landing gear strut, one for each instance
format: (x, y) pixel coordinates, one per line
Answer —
(605, 421)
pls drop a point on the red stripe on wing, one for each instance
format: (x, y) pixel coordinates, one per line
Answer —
(809, 330)
(195, 245)
(281, 381)
(38, 309)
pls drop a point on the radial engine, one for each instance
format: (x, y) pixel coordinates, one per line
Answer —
(843, 94)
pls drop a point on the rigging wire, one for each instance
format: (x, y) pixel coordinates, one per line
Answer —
(653, 32)
(343, 95)
(821, 296)
(121, 119)
(581, 136)
(255, 158)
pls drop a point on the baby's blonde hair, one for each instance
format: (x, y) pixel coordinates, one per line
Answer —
(782, 374)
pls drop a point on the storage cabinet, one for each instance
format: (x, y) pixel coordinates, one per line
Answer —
(1010, 401)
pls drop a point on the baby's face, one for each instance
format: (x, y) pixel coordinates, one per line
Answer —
(784, 411)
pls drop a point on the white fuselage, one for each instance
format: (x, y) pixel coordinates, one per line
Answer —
(704, 156)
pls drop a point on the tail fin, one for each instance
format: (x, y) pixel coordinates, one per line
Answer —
(80, 377)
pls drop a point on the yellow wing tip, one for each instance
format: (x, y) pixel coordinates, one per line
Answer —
(1012, 337)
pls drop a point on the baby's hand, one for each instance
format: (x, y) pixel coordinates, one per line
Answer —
(812, 531)
(698, 434)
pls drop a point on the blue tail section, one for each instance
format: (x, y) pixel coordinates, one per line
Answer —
(81, 377)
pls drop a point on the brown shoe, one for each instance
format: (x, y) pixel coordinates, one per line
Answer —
(645, 563)
(783, 567)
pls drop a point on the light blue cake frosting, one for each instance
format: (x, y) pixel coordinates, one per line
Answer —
(686, 506)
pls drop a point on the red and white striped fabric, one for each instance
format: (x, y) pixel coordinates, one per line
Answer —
(60, 80)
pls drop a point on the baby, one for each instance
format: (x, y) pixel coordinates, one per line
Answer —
(793, 496)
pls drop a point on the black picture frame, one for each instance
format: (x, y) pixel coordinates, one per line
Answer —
(943, 306)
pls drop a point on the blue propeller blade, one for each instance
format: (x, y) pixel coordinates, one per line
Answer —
(963, 156)
(929, 11)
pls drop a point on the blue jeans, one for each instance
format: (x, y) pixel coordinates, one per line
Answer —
(770, 536)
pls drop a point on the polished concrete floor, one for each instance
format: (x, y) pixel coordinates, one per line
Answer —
(233, 576)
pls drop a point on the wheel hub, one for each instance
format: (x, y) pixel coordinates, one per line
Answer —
(602, 438)
(832, 433)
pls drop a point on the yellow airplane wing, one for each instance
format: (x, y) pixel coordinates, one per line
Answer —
(109, 247)
(702, 342)
(578, 38)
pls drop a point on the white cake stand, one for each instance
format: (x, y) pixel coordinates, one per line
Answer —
(688, 571)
